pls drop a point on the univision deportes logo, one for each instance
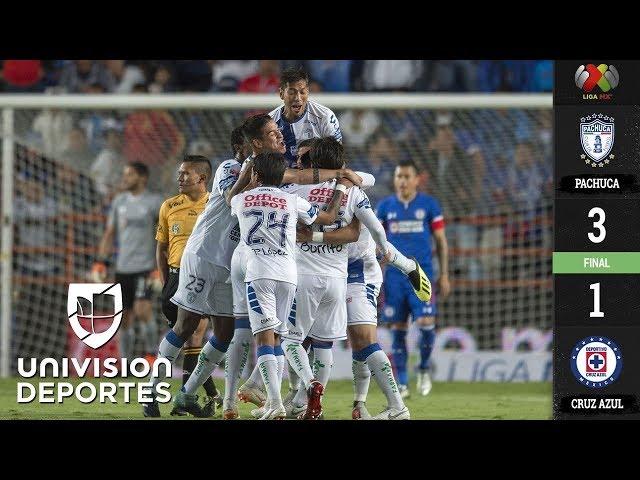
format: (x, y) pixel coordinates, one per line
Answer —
(591, 80)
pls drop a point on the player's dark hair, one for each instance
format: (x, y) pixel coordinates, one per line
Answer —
(293, 75)
(237, 139)
(327, 152)
(407, 162)
(140, 168)
(252, 127)
(270, 168)
(305, 160)
(201, 163)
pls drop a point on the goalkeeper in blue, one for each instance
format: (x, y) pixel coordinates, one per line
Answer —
(410, 219)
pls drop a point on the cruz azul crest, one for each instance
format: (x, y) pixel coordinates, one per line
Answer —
(596, 137)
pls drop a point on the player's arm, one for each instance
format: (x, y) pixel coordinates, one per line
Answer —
(442, 249)
(368, 180)
(99, 267)
(328, 216)
(318, 175)
(240, 184)
(162, 260)
(348, 234)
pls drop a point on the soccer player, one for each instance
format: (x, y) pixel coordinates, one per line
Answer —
(260, 131)
(410, 219)
(300, 118)
(363, 284)
(267, 218)
(178, 215)
(132, 220)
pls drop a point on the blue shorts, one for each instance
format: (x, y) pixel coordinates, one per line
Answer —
(400, 300)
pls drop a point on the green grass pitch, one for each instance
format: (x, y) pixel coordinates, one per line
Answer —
(447, 401)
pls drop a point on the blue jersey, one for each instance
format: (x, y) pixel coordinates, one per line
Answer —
(317, 121)
(409, 226)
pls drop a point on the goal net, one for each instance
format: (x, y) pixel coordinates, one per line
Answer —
(488, 163)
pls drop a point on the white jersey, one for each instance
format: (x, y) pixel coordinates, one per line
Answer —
(363, 265)
(268, 218)
(322, 259)
(317, 121)
(216, 234)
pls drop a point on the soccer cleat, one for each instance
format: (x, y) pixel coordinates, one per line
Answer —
(151, 409)
(420, 283)
(251, 394)
(295, 411)
(360, 411)
(178, 412)
(424, 383)
(259, 412)
(274, 413)
(404, 391)
(189, 403)
(393, 414)
(209, 409)
(314, 407)
(219, 400)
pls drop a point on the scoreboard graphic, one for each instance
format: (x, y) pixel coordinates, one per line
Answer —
(596, 260)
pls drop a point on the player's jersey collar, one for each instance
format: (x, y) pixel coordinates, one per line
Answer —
(284, 120)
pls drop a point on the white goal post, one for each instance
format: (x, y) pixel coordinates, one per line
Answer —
(13, 105)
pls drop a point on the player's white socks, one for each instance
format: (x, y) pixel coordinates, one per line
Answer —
(237, 356)
(297, 358)
(294, 379)
(268, 367)
(322, 361)
(280, 358)
(404, 264)
(211, 355)
(169, 348)
(361, 380)
(380, 367)
(255, 378)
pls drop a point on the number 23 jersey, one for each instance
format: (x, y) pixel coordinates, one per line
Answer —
(267, 218)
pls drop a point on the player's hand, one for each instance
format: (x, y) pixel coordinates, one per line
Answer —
(346, 182)
(444, 287)
(155, 282)
(303, 234)
(384, 259)
(351, 175)
(98, 272)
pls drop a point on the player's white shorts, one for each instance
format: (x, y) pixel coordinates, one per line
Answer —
(362, 303)
(203, 287)
(320, 309)
(238, 271)
(270, 303)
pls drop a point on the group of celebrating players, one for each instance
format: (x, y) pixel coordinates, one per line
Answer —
(282, 252)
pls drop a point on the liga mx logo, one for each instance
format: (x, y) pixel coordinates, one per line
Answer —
(80, 306)
(590, 79)
(596, 362)
(596, 137)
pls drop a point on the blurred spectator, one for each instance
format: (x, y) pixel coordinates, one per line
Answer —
(124, 76)
(162, 80)
(22, 76)
(403, 125)
(382, 157)
(527, 177)
(79, 75)
(358, 126)
(95, 121)
(390, 75)
(52, 126)
(447, 76)
(332, 75)
(267, 80)
(314, 87)
(543, 76)
(36, 213)
(107, 167)
(192, 75)
(506, 75)
(152, 137)
(77, 153)
(227, 74)
(201, 146)
(456, 178)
